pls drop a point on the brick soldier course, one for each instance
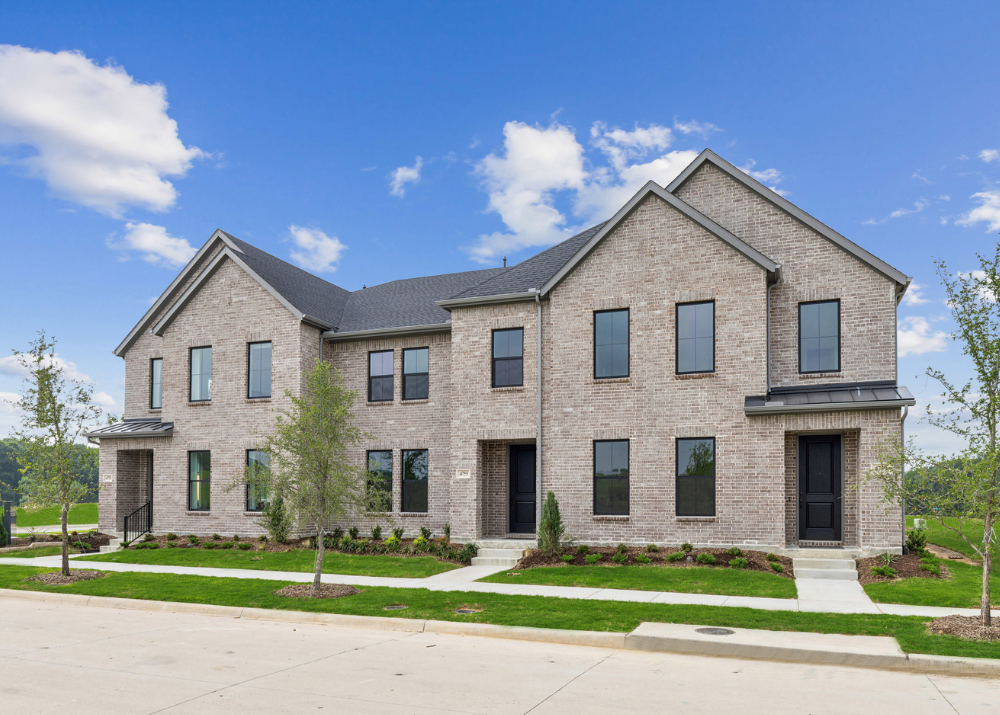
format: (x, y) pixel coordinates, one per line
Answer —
(714, 234)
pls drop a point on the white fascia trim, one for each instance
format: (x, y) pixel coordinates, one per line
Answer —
(400, 332)
(450, 303)
(828, 407)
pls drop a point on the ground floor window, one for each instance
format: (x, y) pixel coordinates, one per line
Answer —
(380, 478)
(696, 477)
(611, 477)
(199, 481)
(414, 480)
(258, 465)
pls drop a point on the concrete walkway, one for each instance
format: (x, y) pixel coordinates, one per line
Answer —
(814, 595)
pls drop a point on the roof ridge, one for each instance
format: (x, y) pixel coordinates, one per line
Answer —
(435, 275)
(243, 243)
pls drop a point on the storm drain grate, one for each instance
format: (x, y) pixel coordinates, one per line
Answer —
(394, 607)
(715, 631)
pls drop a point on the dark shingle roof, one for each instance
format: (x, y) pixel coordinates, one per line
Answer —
(310, 294)
(135, 428)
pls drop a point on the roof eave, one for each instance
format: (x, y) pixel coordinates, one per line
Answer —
(375, 333)
(450, 303)
(827, 407)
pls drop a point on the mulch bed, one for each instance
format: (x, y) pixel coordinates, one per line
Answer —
(907, 566)
(757, 559)
(93, 543)
(326, 590)
(57, 579)
(967, 627)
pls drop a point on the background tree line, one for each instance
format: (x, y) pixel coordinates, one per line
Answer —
(10, 474)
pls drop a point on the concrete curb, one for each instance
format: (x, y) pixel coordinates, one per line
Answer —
(872, 652)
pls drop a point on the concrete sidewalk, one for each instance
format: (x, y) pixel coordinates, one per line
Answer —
(814, 595)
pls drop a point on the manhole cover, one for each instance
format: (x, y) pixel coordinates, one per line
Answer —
(715, 631)
(394, 607)
(468, 610)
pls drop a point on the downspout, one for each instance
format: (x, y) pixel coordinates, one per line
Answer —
(902, 439)
(538, 437)
(778, 278)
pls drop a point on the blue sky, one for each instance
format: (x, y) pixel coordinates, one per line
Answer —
(375, 142)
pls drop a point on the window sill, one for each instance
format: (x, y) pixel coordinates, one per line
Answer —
(252, 400)
(610, 517)
(200, 512)
(606, 380)
(381, 403)
(253, 513)
(416, 402)
(706, 519)
(199, 403)
(419, 514)
(814, 375)
(157, 410)
(510, 388)
(694, 375)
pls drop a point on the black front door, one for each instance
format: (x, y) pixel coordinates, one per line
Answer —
(522, 489)
(819, 488)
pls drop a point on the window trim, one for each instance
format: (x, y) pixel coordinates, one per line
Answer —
(416, 374)
(271, 381)
(798, 344)
(494, 358)
(152, 361)
(192, 481)
(628, 344)
(677, 338)
(678, 475)
(392, 459)
(402, 480)
(191, 374)
(246, 505)
(593, 476)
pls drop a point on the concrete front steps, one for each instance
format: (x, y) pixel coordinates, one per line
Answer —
(113, 545)
(501, 553)
(832, 566)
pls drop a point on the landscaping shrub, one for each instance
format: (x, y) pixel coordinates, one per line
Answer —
(778, 568)
(676, 556)
(215, 537)
(620, 557)
(421, 542)
(226, 545)
(337, 534)
(772, 557)
(193, 539)
(392, 543)
(931, 568)
(551, 529)
(707, 559)
(568, 558)
(447, 533)
(738, 563)
(884, 570)
(652, 548)
(147, 537)
(171, 536)
(236, 537)
(735, 551)
(147, 545)
(398, 533)
(916, 540)
(172, 545)
(687, 547)
(583, 549)
(276, 520)
(347, 544)
(353, 531)
(262, 538)
(888, 558)
(425, 532)
(376, 533)
(4, 536)
(642, 559)
(209, 545)
(592, 558)
(467, 552)
(244, 546)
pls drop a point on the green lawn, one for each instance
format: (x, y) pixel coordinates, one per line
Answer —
(502, 609)
(294, 560)
(36, 552)
(78, 514)
(938, 534)
(962, 590)
(723, 582)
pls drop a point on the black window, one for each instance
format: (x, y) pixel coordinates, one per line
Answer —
(695, 337)
(380, 478)
(508, 357)
(259, 375)
(415, 480)
(611, 477)
(819, 336)
(156, 383)
(696, 477)
(380, 376)
(201, 374)
(415, 374)
(258, 466)
(611, 343)
(199, 481)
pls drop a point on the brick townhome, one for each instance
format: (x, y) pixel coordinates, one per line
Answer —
(717, 367)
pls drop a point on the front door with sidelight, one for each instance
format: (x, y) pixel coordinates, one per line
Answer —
(820, 488)
(522, 489)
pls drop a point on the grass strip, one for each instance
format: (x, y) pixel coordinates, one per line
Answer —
(938, 534)
(537, 611)
(37, 552)
(694, 579)
(963, 589)
(302, 560)
(78, 514)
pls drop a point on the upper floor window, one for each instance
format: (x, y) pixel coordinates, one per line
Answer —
(415, 373)
(695, 337)
(380, 479)
(156, 383)
(199, 481)
(611, 343)
(259, 375)
(414, 480)
(611, 477)
(695, 491)
(508, 357)
(819, 336)
(380, 376)
(258, 468)
(201, 374)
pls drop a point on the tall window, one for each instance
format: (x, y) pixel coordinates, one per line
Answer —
(611, 477)
(611, 343)
(415, 480)
(415, 374)
(508, 357)
(380, 376)
(695, 337)
(258, 466)
(380, 477)
(201, 374)
(696, 477)
(259, 374)
(199, 481)
(156, 383)
(819, 336)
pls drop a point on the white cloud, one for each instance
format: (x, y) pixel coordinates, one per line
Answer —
(315, 250)
(944, 197)
(989, 155)
(703, 129)
(404, 175)
(915, 295)
(918, 206)
(914, 337)
(988, 211)
(155, 245)
(103, 399)
(11, 366)
(919, 177)
(92, 133)
(767, 176)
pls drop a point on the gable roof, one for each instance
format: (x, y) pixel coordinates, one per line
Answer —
(872, 261)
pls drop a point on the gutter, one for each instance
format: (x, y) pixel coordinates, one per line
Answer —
(334, 337)
(778, 278)
(450, 303)
(902, 439)
(538, 436)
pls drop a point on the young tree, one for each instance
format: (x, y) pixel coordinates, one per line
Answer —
(966, 486)
(551, 530)
(310, 468)
(57, 410)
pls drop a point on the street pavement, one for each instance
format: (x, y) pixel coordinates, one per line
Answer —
(75, 659)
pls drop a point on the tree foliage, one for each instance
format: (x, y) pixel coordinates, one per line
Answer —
(551, 530)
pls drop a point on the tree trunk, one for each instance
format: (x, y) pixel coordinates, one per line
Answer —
(320, 549)
(65, 540)
(984, 606)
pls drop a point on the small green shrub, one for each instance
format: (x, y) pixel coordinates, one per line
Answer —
(583, 549)
(592, 558)
(147, 545)
(376, 533)
(707, 559)
(398, 532)
(226, 545)
(171, 536)
(642, 559)
(425, 532)
(467, 553)
(447, 533)
(337, 534)
(735, 551)
(244, 546)
(209, 545)
(551, 530)
(931, 568)
(568, 558)
(652, 548)
(392, 543)
(276, 519)
(687, 547)
(215, 537)
(262, 537)
(620, 557)
(193, 539)
(172, 545)
(353, 531)
(738, 563)
(621, 548)
(916, 540)
(884, 570)
(676, 556)
(236, 537)
(772, 557)
(147, 537)
(420, 542)
(347, 544)
(776, 566)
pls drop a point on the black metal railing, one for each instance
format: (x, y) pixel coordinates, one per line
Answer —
(139, 522)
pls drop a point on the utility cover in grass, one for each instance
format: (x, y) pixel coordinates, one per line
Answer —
(326, 590)
(56, 578)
